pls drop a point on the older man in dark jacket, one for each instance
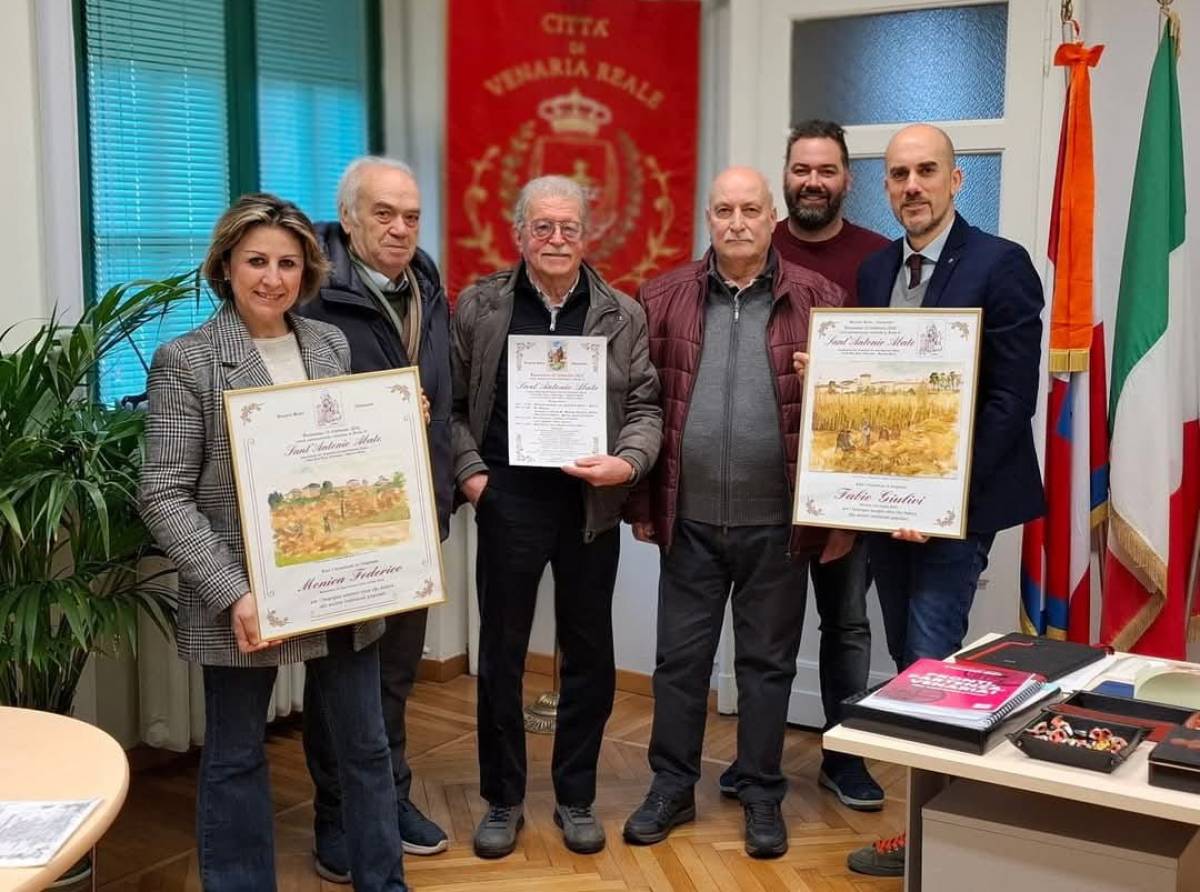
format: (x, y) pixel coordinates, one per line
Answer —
(385, 294)
(722, 334)
(533, 516)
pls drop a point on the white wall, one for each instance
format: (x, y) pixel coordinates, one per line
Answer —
(23, 295)
(414, 56)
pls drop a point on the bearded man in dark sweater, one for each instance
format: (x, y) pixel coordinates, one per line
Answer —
(718, 505)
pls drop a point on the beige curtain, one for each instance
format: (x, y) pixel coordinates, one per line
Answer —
(171, 691)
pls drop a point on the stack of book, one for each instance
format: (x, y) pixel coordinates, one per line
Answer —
(955, 704)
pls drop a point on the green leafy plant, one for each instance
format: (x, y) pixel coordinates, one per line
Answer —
(70, 534)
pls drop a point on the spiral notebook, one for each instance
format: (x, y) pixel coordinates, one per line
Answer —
(970, 695)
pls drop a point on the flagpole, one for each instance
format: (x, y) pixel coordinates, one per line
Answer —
(1173, 25)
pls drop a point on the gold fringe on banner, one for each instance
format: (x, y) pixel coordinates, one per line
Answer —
(1193, 633)
(1150, 571)
(1068, 360)
(1135, 547)
(1027, 626)
(1136, 627)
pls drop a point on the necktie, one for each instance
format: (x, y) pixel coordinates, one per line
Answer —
(914, 269)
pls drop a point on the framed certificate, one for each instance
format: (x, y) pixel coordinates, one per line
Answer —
(557, 399)
(889, 410)
(335, 495)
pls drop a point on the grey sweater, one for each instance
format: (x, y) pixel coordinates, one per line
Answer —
(732, 463)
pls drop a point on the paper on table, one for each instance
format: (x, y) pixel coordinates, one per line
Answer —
(1081, 679)
(31, 833)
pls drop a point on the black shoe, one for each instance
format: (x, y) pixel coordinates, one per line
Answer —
(419, 835)
(728, 782)
(766, 834)
(496, 835)
(654, 818)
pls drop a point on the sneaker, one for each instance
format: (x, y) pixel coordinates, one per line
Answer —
(728, 782)
(883, 858)
(766, 834)
(331, 860)
(581, 831)
(496, 835)
(851, 783)
(419, 835)
(654, 818)
(331, 871)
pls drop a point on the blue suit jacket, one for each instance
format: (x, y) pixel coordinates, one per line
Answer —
(981, 270)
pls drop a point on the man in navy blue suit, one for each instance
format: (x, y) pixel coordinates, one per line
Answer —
(926, 586)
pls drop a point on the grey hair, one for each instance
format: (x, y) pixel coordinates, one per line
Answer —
(550, 187)
(348, 185)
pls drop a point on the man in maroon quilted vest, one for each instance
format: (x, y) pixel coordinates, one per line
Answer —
(718, 504)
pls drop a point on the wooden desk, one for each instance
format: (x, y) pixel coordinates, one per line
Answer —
(48, 756)
(930, 769)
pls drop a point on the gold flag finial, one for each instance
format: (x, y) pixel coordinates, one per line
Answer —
(1174, 25)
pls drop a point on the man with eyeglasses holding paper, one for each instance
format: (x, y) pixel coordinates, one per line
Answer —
(566, 516)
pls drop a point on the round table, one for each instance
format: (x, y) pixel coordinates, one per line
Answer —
(48, 756)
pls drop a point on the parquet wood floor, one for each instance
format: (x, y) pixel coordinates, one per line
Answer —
(151, 847)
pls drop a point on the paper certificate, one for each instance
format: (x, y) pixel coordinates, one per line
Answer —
(889, 407)
(31, 833)
(557, 399)
(336, 500)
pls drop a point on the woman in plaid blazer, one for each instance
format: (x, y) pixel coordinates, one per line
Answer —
(263, 258)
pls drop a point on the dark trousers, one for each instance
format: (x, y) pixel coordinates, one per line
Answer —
(234, 817)
(400, 650)
(518, 536)
(840, 590)
(926, 591)
(769, 590)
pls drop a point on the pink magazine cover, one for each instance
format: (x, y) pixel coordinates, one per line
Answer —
(963, 687)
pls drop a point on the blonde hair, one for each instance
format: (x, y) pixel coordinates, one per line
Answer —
(262, 209)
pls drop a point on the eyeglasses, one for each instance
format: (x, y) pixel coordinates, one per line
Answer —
(544, 229)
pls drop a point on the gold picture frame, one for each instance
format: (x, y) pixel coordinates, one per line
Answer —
(889, 415)
(336, 499)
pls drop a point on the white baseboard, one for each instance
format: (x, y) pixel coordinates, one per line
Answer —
(804, 706)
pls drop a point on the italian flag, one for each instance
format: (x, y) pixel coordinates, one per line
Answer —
(1154, 403)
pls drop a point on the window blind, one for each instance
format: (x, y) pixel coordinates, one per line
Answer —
(158, 152)
(313, 70)
(160, 142)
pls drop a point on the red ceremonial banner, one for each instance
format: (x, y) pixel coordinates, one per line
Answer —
(602, 91)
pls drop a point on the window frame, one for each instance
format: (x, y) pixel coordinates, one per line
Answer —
(759, 136)
(241, 112)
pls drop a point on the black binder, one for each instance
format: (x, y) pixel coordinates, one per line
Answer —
(1048, 657)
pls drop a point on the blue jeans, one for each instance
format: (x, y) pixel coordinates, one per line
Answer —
(234, 817)
(926, 591)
